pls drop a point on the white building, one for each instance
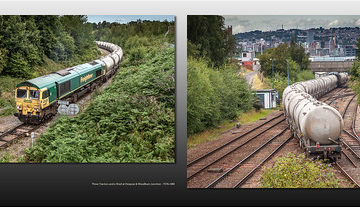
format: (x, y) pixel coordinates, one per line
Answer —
(267, 98)
(247, 56)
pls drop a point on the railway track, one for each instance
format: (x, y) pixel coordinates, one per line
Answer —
(231, 151)
(236, 160)
(23, 130)
(349, 152)
(242, 170)
(350, 139)
(349, 165)
(17, 133)
(261, 126)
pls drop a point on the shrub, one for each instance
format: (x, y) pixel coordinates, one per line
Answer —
(293, 171)
(214, 95)
(305, 75)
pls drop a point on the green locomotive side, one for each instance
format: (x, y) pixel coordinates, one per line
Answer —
(78, 76)
(35, 97)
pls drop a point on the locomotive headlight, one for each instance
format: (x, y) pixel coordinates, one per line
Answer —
(18, 106)
(36, 109)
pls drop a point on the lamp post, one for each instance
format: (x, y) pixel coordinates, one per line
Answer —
(287, 66)
(272, 71)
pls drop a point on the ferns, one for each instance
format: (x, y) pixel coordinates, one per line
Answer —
(133, 120)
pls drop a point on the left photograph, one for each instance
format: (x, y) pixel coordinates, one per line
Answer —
(87, 89)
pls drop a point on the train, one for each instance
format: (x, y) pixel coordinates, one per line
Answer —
(317, 125)
(37, 99)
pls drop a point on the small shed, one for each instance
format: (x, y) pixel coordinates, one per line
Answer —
(267, 97)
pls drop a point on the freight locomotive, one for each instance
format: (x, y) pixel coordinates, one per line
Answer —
(317, 125)
(36, 99)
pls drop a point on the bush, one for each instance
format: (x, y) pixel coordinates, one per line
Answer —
(293, 171)
(136, 55)
(305, 75)
(214, 95)
(7, 110)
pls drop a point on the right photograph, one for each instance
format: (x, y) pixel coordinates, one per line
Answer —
(272, 101)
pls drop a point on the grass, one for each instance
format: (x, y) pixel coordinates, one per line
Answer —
(7, 87)
(258, 84)
(213, 132)
(244, 71)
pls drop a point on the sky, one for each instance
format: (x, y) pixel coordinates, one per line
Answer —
(247, 23)
(123, 19)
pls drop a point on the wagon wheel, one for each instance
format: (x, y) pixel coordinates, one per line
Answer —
(301, 144)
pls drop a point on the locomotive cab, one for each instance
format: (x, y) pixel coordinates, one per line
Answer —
(30, 103)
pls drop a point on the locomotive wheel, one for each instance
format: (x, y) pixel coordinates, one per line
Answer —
(92, 87)
(75, 98)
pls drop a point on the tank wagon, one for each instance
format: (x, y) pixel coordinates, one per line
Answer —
(317, 125)
(36, 99)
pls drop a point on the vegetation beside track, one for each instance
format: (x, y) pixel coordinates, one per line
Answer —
(297, 171)
(355, 73)
(132, 120)
(215, 91)
(213, 132)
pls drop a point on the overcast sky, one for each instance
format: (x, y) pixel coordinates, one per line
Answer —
(123, 19)
(273, 22)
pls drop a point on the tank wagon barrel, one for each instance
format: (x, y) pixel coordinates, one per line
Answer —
(317, 125)
(36, 99)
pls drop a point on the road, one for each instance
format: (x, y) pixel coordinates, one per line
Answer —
(249, 77)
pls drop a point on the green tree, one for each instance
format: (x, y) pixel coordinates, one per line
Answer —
(20, 36)
(19, 66)
(295, 54)
(298, 54)
(3, 58)
(81, 31)
(358, 51)
(208, 31)
(278, 56)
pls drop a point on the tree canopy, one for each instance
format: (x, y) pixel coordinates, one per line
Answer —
(26, 40)
(208, 37)
(295, 54)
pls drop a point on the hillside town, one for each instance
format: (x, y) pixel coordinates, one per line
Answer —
(318, 42)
